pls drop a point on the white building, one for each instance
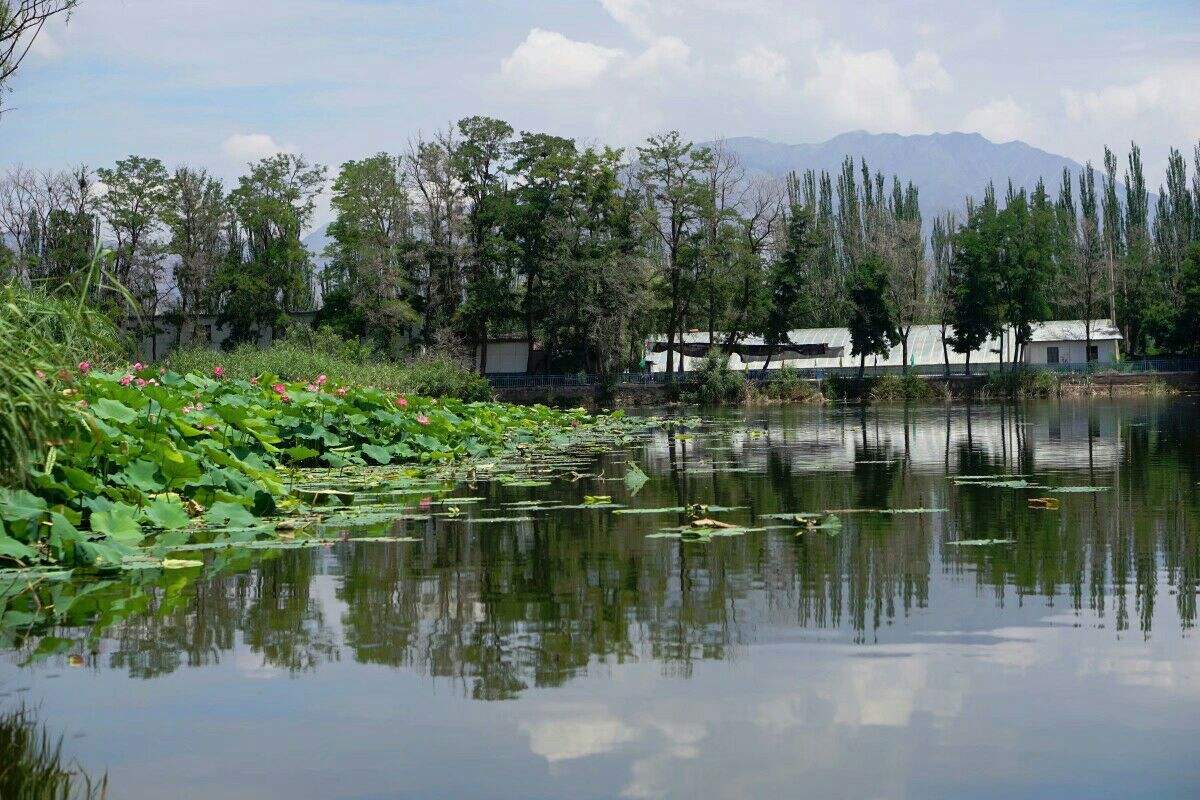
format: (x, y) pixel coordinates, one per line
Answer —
(1056, 342)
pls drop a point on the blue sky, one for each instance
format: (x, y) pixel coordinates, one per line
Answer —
(218, 82)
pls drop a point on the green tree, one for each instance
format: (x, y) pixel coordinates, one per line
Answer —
(369, 283)
(788, 293)
(479, 161)
(1186, 331)
(976, 298)
(670, 174)
(269, 271)
(873, 329)
(196, 215)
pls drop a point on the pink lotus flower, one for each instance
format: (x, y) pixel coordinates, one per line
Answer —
(85, 367)
(188, 409)
(279, 389)
(41, 375)
(341, 392)
(321, 380)
(218, 372)
(426, 502)
(401, 401)
(141, 384)
(126, 379)
(254, 381)
(138, 366)
(421, 418)
(312, 387)
(199, 406)
(152, 382)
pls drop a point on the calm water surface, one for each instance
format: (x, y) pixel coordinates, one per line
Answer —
(573, 656)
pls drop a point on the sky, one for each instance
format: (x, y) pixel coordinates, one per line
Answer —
(218, 83)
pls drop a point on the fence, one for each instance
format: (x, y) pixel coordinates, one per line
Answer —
(1146, 365)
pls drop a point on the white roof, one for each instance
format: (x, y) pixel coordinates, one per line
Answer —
(1073, 330)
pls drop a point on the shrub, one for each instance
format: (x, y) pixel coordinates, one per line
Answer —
(788, 385)
(716, 384)
(1021, 383)
(890, 387)
(305, 353)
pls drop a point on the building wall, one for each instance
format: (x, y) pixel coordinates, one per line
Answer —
(207, 334)
(1074, 352)
(505, 357)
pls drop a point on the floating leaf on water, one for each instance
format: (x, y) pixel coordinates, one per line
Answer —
(181, 563)
(663, 510)
(1077, 489)
(706, 522)
(635, 478)
(481, 520)
(886, 511)
(383, 539)
(1047, 503)
(980, 542)
(525, 484)
(1018, 483)
(319, 497)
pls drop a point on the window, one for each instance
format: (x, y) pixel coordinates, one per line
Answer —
(1093, 353)
(1051, 355)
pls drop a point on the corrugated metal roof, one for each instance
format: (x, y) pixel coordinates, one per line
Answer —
(924, 344)
(1073, 330)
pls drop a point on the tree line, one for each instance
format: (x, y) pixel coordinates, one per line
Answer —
(480, 231)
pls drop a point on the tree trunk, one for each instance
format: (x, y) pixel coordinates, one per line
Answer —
(945, 352)
(483, 354)
(862, 366)
(767, 363)
(968, 370)
(904, 353)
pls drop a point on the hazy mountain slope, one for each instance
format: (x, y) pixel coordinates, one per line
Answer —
(947, 167)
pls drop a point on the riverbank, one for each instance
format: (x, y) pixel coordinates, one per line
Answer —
(890, 388)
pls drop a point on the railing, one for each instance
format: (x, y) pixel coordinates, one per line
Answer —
(1150, 365)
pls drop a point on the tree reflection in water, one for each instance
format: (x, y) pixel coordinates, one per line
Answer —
(497, 609)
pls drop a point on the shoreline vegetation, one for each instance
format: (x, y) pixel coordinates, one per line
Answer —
(481, 234)
(111, 465)
(716, 384)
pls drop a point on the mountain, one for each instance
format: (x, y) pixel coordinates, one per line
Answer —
(946, 167)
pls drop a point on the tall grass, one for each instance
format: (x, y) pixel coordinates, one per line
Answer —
(304, 354)
(32, 765)
(45, 331)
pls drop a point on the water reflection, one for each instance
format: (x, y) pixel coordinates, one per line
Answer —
(498, 610)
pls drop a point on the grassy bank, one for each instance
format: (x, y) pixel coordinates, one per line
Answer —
(304, 353)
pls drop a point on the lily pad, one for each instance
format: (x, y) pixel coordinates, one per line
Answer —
(980, 542)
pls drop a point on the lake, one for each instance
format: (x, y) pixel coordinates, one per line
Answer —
(589, 652)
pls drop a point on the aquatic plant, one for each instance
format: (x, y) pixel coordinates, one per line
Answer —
(164, 454)
(32, 766)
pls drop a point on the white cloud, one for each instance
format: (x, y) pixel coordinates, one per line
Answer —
(244, 147)
(926, 73)
(578, 733)
(764, 68)
(666, 56)
(864, 89)
(1000, 120)
(1171, 94)
(548, 61)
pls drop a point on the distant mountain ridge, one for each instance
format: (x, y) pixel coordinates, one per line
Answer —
(945, 167)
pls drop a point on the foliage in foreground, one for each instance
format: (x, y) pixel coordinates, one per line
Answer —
(304, 353)
(32, 766)
(40, 332)
(142, 453)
